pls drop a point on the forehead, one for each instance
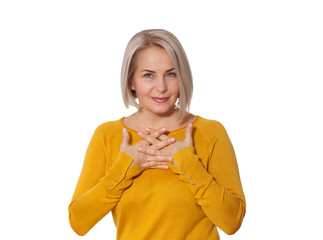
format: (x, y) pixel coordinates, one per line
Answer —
(154, 57)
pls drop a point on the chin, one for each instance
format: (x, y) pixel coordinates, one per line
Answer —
(164, 112)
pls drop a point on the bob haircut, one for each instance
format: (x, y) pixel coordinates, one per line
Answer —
(167, 41)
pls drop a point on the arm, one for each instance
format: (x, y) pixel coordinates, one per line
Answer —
(217, 190)
(98, 192)
(216, 187)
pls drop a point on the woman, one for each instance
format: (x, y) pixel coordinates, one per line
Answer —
(163, 172)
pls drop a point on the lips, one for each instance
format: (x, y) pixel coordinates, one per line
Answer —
(160, 100)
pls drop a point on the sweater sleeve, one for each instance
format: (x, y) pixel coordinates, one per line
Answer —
(217, 190)
(97, 191)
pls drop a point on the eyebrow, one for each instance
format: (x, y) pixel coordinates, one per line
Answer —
(146, 70)
(172, 69)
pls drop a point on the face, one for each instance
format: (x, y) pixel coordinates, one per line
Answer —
(155, 81)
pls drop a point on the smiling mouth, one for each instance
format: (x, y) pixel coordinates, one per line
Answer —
(160, 100)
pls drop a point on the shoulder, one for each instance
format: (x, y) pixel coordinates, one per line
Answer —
(109, 128)
(208, 125)
(209, 129)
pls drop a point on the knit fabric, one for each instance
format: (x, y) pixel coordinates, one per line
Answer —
(188, 201)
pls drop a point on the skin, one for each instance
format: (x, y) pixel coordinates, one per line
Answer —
(155, 77)
(157, 89)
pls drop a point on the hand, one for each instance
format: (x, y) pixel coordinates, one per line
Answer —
(157, 149)
(140, 158)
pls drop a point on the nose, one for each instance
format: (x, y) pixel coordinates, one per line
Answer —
(161, 85)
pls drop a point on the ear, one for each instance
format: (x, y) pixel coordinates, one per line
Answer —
(132, 86)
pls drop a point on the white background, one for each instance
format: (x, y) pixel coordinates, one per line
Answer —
(257, 68)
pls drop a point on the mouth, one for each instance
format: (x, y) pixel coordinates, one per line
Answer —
(160, 100)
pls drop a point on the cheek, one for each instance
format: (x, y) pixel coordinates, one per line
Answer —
(141, 90)
(175, 87)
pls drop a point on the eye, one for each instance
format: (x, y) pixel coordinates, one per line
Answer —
(148, 75)
(171, 75)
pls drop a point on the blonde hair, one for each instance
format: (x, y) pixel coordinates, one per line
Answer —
(167, 41)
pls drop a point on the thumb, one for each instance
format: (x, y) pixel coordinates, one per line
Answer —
(188, 134)
(125, 138)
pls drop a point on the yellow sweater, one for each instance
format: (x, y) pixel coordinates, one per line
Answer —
(185, 202)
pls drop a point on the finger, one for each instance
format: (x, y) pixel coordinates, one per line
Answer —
(164, 143)
(188, 134)
(160, 144)
(158, 159)
(155, 165)
(149, 151)
(163, 137)
(143, 143)
(149, 138)
(125, 138)
(150, 130)
(159, 167)
(156, 133)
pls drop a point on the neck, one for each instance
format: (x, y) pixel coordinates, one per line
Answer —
(143, 119)
(156, 121)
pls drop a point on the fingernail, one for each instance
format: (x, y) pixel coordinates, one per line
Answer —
(172, 140)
